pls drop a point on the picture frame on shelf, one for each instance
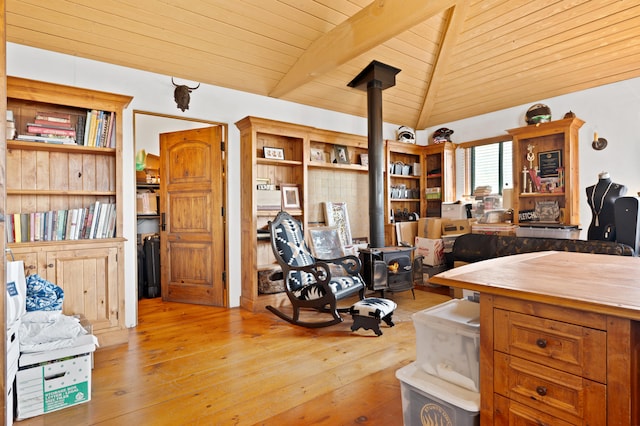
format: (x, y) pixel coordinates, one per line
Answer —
(273, 153)
(325, 242)
(264, 184)
(364, 160)
(549, 162)
(336, 214)
(290, 196)
(318, 155)
(341, 153)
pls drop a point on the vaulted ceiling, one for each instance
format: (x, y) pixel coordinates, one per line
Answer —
(457, 58)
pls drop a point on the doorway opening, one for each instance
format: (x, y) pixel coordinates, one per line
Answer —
(148, 128)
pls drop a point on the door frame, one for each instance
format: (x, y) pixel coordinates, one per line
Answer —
(192, 123)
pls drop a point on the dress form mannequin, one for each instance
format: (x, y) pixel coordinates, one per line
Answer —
(601, 198)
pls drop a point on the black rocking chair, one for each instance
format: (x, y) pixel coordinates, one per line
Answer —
(309, 283)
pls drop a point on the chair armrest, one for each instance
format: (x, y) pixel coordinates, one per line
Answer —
(351, 264)
(320, 271)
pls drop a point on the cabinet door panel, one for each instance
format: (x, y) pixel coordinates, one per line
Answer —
(89, 280)
(31, 262)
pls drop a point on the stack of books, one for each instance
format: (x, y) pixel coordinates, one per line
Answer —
(95, 128)
(51, 127)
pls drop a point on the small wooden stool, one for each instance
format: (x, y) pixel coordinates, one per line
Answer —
(368, 312)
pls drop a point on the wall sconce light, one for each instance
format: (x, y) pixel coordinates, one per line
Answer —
(598, 143)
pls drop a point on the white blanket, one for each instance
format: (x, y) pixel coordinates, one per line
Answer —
(44, 331)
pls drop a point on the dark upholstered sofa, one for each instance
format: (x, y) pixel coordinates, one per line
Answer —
(470, 248)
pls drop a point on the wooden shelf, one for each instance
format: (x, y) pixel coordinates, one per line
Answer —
(336, 166)
(55, 192)
(542, 194)
(52, 147)
(272, 162)
(395, 176)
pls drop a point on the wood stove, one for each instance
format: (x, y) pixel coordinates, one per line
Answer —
(391, 269)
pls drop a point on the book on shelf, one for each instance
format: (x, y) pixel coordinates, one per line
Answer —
(41, 130)
(80, 125)
(53, 117)
(110, 141)
(65, 140)
(8, 232)
(24, 227)
(61, 225)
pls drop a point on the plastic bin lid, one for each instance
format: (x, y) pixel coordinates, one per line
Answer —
(443, 390)
(458, 313)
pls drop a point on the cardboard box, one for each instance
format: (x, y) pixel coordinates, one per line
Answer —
(147, 202)
(406, 232)
(456, 227)
(152, 162)
(454, 210)
(430, 227)
(505, 229)
(431, 249)
(432, 193)
(53, 380)
(268, 199)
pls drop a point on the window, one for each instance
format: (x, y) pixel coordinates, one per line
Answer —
(492, 165)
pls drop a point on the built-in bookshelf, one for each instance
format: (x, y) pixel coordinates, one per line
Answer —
(64, 196)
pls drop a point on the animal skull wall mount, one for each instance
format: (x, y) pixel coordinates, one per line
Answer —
(181, 95)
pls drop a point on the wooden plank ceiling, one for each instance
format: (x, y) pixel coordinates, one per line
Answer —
(458, 58)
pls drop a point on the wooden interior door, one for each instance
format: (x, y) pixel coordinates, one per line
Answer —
(192, 235)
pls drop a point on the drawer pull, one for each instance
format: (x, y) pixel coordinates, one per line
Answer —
(542, 343)
(541, 390)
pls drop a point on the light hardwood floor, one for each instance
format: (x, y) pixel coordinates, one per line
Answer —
(196, 365)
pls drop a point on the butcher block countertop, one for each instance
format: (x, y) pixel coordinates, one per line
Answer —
(599, 283)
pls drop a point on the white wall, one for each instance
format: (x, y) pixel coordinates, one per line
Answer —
(612, 110)
(154, 93)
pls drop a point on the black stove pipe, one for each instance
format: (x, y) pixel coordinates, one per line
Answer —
(375, 78)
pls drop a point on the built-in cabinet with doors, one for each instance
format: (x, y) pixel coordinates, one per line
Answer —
(49, 179)
(545, 171)
(282, 155)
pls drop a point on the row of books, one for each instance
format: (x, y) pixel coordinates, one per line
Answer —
(93, 129)
(96, 221)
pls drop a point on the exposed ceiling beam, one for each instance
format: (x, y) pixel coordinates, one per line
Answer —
(455, 23)
(373, 25)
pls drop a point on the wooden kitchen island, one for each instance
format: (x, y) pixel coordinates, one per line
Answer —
(559, 337)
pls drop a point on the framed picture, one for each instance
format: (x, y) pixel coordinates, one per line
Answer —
(325, 241)
(549, 162)
(364, 159)
(290, 196)
(335, 214)
(342, 154)
(318, 155)
(273, 153)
